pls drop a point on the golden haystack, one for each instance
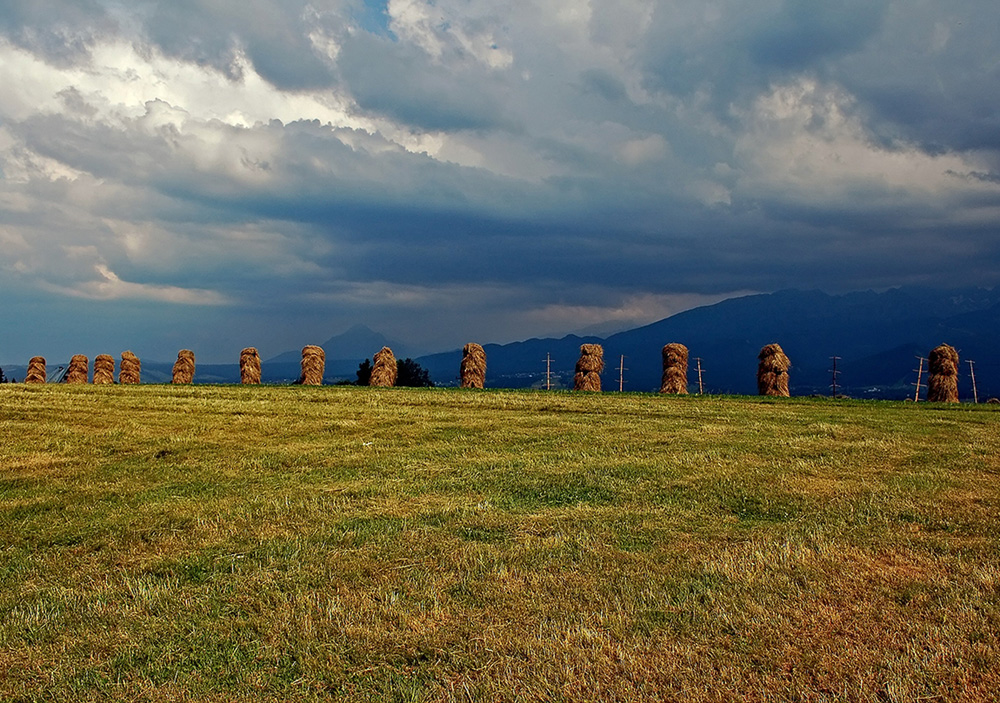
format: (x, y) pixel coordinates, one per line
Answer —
(772, 371)
(130, 368)
(36, 370)
(589, 368)
(591, 359)
(942, 386)
(249, 366)
(78, 369)
(104, 369)
(473, 367)
(587, 381)
(184, 367)
(675, 369)
(313, 365)
(384, 369)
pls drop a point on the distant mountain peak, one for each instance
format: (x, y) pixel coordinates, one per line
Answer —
(358, 342)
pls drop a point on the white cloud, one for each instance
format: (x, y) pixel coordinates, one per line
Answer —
(805, 142)
(106, 285)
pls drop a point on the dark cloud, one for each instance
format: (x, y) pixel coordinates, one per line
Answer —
(274, 36)
(803, 35)
(402, 82)
(446, 167)
(60, 31)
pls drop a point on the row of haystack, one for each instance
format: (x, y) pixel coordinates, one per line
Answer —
(772, 369)
(77, 371)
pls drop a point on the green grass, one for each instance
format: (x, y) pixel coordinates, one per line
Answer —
(164, 543)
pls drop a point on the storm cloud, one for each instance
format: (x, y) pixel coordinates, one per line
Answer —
(270, 172)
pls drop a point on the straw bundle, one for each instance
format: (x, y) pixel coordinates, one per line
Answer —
(104, 369)
(313, 365)
(942, 386)
(129, 369)
(473, 367)
(675, 369)
(589, 368)
(249, 366)
(36, 370)
(184, 367)
(78, 369)
(772, 371)
(384, 369)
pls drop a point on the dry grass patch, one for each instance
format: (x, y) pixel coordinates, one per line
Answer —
(434, 545)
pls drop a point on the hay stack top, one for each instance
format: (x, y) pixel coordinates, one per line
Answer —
(943, 357)
(591, 359)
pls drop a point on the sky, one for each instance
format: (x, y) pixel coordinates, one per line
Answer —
(215, 174)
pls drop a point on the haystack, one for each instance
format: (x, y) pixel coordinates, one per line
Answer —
(78, 369)
(36, 370)
(313, 365)
(473, 367)
(384, 369)
(184, 367)
(772, 371)
(942, 386)
(104, 369)
(130, 368)
(249, 366)
(589, 368)
(675, 369)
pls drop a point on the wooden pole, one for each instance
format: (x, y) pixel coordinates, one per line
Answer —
(548, 371)
(972, 373)
(701, 388)
(920, 372)
(621, 375)
(834, 373)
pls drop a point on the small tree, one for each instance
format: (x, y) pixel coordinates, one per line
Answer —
(3, 379)
(410, 373)
(364, 372)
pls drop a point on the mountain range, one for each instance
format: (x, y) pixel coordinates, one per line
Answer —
(877, 338)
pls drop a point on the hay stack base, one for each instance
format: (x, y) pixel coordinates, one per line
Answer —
(78, 369)
(384, 369)
(772, 371)
(130, 369)
(313, 365)
(36, 370)
(675, 369)
(184, 367)
(473, 369)
(104, 369)
(249, 366)
(942, 385)
(589, 368)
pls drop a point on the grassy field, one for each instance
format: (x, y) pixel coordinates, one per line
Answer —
(292, 544)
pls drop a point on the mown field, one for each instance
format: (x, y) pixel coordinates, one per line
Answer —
(164, 543)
